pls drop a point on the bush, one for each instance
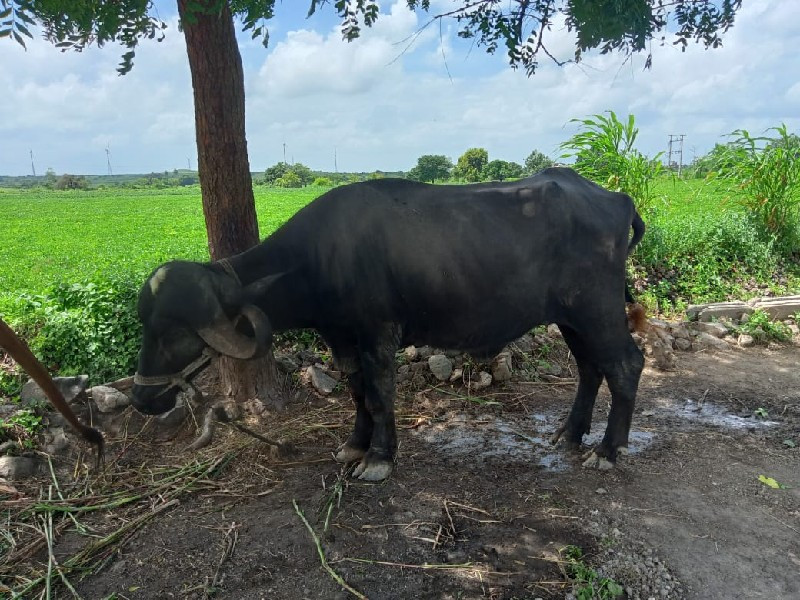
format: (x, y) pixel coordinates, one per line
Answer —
(763, 329)
(767, 171)
(322, 182)
(72, 182)
(289, 180)
(604, 153)
(89, 328)
(705, 258)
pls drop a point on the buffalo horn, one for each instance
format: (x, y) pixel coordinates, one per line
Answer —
(224, 338)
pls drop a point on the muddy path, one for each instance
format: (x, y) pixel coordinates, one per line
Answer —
(480, 506)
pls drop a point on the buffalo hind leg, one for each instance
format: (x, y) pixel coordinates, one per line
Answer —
(579, 421)
(622, 377)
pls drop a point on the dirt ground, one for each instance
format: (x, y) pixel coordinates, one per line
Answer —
(480, 506)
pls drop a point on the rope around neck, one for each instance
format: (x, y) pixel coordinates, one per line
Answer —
(226, 264)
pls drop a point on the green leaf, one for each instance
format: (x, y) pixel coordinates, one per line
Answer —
(789, 443)
(19, 39)
(769, 481)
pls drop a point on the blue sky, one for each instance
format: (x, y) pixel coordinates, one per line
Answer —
(379, 107)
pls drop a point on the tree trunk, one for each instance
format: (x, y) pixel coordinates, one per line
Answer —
(224, 169)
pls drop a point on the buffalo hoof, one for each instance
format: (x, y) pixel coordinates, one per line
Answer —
(595, 461)
(558, 437)
(347, 454)
(373, 470)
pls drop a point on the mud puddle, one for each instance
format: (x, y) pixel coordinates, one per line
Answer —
(528, 438)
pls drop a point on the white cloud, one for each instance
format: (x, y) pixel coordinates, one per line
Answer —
(379, 106)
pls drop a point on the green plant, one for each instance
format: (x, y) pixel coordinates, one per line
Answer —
(87, 328)
(761, 412)
(588, 584)
(604, 152)
(763, 328)
(23, 426)
(767, 170)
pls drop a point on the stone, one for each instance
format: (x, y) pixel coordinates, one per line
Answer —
(286, 363)
(18, 467)
(550, 369)
(411, 353)
(253, 407)
(501, 367)
(716, 329)
(440, 366)
(56, 441)
(458, 373)
(746, 341)
(70, 387)
(321, 381)
(403, 373)
(108, 399)
(706, 341)
(684, 344)
(779, 308)
(553, 330)
(662, 355)
(679, 331)
(484, 380)
(424, 352)
(526, 344)
(716, 310)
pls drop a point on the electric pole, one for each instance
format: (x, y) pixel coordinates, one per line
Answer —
(108, 160)
(676, 138)
(33, 168)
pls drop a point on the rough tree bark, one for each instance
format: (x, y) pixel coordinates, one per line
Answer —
(224, 169)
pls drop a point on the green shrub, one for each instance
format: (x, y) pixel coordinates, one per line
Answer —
(767, 171)
(705, 258)
(89, 327)
(22, 427)
(604, 153)
(322, 182)
(764, 329)
(289, 180)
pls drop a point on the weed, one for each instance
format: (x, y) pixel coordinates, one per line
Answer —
(763, 329)
(23, 427)
(587, 583)
(767, 170)
(761, 412)
(604, 153)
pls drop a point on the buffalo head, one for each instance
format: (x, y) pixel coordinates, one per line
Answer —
(185, 308)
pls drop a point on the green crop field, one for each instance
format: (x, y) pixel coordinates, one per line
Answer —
(60, 237)
(71, 262)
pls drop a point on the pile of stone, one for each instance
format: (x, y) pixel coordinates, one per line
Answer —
(420, 366)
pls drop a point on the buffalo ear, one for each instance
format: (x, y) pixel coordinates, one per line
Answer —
(259, 288)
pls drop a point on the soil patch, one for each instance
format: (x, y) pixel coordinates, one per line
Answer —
(480, 505)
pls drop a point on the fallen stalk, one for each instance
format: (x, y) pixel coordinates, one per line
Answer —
(336, 577)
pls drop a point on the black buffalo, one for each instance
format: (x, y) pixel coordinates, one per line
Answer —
(378, 265)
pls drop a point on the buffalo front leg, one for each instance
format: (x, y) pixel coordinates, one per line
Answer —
(346, 358)
(358, 443)
(378, 366)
